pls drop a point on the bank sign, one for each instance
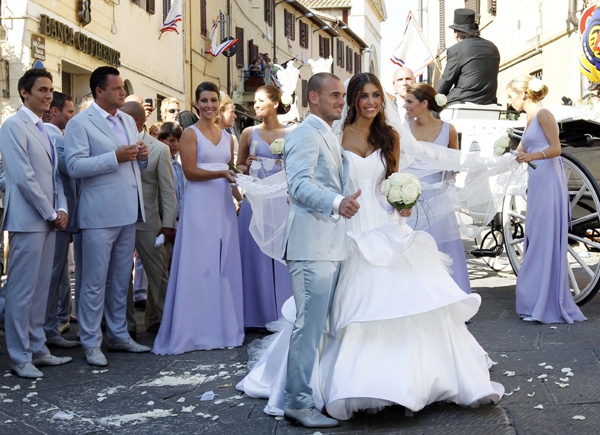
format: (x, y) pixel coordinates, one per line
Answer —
(65, 34)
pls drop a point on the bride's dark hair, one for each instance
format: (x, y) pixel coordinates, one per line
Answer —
(381, 135)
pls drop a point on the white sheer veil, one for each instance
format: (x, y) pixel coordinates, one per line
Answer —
(469, 203)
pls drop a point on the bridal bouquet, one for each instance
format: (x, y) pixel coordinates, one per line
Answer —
(502, 146)
(402, 190)
(276, 147)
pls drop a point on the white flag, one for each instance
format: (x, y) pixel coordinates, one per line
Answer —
(413, 52)
(173, 17)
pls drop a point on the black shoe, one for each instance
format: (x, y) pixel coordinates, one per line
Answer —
(140, 305)
(133, 334)
(154, 328)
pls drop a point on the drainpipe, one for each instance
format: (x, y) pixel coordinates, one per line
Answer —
(572, 15)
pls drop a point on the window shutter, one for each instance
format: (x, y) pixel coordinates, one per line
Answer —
(203, 28)
(150, 7)
(303, 35)
(442, 29)
(269, 12)
(166, 9)
(321, 47)
(357, 63)
(349, 54)
(475, 6)
(304, 96)
(239, 54)
(492, 7)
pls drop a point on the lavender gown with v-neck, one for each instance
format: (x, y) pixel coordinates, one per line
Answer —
(203, 305)
(447, 225)
(267, 283)
(543, 292)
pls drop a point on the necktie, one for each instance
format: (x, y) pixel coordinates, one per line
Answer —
(117, 127)
(49, 147)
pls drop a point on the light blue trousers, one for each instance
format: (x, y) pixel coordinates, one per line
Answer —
(313, 283)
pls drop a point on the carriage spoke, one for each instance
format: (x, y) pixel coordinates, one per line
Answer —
(584, 241)
(585, 219)
(584, 266)
(516, 215)
(574, 285)
(513, 242)
(578, 196)
(567, 173)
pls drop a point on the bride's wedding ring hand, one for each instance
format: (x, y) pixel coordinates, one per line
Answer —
(349, 205)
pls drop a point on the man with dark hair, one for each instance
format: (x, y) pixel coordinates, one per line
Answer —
(169, 133)
(102, 150)
(59, 295)
(160, 206)
(35, 207)
(315, 236)
(471, 73)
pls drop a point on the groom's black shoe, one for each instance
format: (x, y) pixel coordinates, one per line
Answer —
(309, 417)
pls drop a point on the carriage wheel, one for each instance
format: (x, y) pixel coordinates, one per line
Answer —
(499, 263)
(584, 245)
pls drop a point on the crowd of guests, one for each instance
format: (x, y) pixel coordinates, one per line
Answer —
(114, 185)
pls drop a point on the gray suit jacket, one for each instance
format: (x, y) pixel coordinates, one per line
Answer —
(158, 186)
(68, 184)
(110, 193)
(316, 173)
(33, 189)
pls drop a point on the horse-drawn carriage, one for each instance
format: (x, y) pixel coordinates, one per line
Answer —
(501, 246)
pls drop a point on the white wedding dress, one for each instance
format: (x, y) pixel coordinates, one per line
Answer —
(396, 331)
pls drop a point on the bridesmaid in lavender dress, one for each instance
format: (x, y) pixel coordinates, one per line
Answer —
(267, 283)
(420, 103)
(203, 306)
(543, 292)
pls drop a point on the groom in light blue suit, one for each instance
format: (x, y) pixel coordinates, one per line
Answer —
(315, 236)
(102, 149)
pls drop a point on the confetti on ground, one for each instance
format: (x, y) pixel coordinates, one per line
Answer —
(494, 362)
(531, 394)
(202, 414)
(530, 380)
(62, 415)
(150, 403)
(31, 394)
(100, 399)
(144, 392)
(208, 395)
(561, 385)
(548, 367)
(181, 400)
(240, 404)
(565, 370)
(7, 375)
(188, 408)
(279, 418)
(7, 401)
(117, 420)
(504, 356)
(95, 371)
(564, 379)
(508, 373)
(570, 374)
(543, 376)
(538, 407)
(168, 380)
(578, 417)
(517, 389)
(26, 400)
(15, 388)
(214, 417)
(508, 394)
(542, 364)
(553, 327)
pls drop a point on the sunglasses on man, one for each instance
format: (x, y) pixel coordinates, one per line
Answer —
(174, 110)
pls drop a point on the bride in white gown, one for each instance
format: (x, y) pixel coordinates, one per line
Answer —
(396, 331)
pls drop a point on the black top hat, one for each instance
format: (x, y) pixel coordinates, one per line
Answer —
(464, 21)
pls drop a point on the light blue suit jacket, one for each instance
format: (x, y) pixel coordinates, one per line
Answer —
(110, 193)
(316, 173)
(68, 184)
(33, 188)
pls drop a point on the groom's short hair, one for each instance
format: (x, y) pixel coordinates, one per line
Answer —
(315, 84)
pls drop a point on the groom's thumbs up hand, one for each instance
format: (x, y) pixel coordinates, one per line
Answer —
(349, 205)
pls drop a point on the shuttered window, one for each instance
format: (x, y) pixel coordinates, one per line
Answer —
(326, 48)
(475, 6)
(239, 54)
(340, 53)
(304, 35)
(166, 9)
(321, 47)
(150, 7)
(203, 28)
(357, 63)
(252, 52)
(349, 54)
(290, 25)
(269, 12)
(442, 44)
(304, 96)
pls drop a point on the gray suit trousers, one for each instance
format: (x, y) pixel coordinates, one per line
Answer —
(59, 283)
(313, 284)
(26, 292)
(106, 271)
(153, 260)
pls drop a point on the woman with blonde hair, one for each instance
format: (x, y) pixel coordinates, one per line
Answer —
(543, 292)
(169, 109)
(267, 283)
(226, 120)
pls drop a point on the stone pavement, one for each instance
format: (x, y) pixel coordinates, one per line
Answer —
(148, 394)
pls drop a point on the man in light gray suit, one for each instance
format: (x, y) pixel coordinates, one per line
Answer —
(315, 236)
(35, 206)
(62, 110)
(102, 149)
(160, 209)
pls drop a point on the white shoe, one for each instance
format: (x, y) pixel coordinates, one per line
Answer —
(58, 341)
(26, 370)
(95, 357)
(51, 360)
(128, 346)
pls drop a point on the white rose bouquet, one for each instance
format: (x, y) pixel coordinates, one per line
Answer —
(502, 146)
(402, 190)
(276, 147)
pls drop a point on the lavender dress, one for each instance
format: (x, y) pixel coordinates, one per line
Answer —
(543, 283)
(203, 305)
(267, 283)
(447, 225)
